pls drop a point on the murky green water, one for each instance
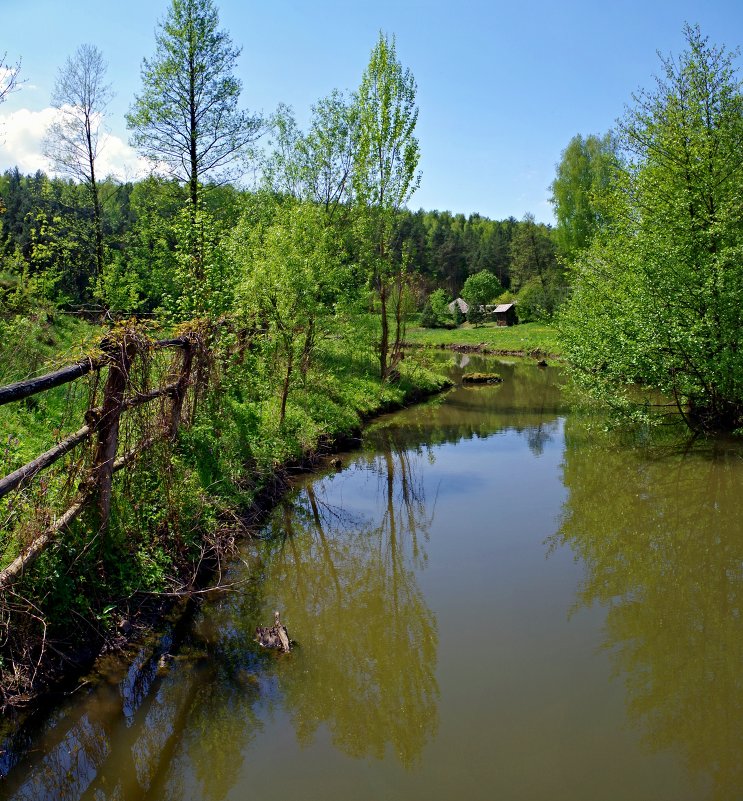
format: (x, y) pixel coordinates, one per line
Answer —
(490, 602)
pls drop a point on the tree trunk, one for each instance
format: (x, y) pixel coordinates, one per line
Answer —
(309, 344)
(287, 378)
(384, 344)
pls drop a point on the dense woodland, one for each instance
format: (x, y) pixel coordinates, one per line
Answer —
(47, 244)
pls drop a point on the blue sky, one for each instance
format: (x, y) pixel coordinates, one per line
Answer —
(502, 87)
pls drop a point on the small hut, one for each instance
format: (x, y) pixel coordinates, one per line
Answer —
(505, 314)
(464, 307)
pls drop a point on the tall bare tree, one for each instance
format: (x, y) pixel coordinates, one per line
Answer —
(8, 76)
(74, 140)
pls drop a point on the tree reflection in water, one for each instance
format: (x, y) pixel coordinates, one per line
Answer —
(660, 535)
(368, 642)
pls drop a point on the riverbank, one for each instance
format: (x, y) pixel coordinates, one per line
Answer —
(527, 339)
(176, 516)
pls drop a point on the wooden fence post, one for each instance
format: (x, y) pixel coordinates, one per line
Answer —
(108, 424)
(181, 388)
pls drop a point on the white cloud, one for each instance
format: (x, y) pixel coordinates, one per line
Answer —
(21, 135)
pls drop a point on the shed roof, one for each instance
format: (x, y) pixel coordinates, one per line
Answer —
(464, 307)
(503, 307)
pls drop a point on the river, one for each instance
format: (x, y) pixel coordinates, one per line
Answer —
(492, 599)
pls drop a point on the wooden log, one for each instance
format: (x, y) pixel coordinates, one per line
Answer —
(177, 342)
(24, 389)
(29, 554)
(23, 475)
(32, 386)
(20, 477)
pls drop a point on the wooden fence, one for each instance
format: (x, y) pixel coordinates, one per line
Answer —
(101, 429)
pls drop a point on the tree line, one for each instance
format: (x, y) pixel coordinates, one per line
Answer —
(47, 232)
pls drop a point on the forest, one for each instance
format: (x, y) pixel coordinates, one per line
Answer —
(48, 245)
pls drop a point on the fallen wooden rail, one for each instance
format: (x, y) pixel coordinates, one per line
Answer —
(103, 424)
(32, 386)
(29, 554)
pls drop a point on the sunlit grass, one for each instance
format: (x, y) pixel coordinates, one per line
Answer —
(526, 337)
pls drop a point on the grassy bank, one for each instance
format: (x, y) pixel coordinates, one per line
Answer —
(178, 510)
(529, 338)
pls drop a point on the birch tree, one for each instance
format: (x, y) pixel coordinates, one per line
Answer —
(75, 139)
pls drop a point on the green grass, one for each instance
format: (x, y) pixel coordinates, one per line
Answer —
(526, 337)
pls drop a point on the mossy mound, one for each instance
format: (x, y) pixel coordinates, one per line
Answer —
(481, 378)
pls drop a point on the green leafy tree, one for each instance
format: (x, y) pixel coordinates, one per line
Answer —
(292, 277)
(316, 166)
(535, 269)
(583, 175)
(440, 300)
(658, 296)
(481, 288)
(186, 116)
(74, 140)
(436, 312)
(385, 177)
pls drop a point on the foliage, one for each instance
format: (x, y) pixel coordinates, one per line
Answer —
(657, 297)
(204, 281)
(584, 173)
(436, 312)
(536, 271)
(316, 166)
(481, 288)
(384, 178)
(475, 315)
(292, 278)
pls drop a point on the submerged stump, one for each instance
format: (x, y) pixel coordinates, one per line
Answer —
(275, 636)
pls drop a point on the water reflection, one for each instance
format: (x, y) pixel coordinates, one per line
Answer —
(660, 535)
(528, 401)
(367, 657)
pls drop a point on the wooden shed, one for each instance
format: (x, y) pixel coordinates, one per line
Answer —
(505, 314)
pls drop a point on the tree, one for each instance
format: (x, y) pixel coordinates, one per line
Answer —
(657, 298)
(8, 76)
(316, 166)
(329, 151)
(535, 270)
(73, 141)
(436, 312)
(384, 179)
(481, 288)
(187, 116)
(291, 277)
(583, 175)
